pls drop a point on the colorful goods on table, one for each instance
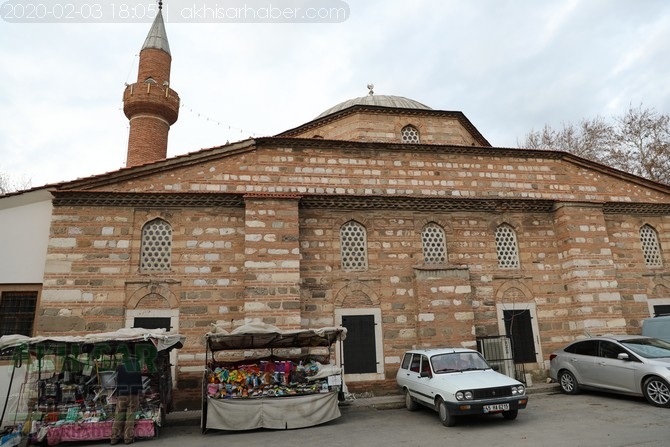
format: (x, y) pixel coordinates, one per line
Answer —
(266, 379)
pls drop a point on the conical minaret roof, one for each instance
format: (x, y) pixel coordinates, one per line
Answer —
(157, 37)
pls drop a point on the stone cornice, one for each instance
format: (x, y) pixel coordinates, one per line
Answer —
(489, 205)
(146, 199)
(655, 209)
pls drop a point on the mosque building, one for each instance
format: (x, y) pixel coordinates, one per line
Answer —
(400, 222)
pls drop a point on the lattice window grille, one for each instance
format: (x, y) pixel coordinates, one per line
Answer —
(353, 245)
(434, 244)
(651, 249)
(156, 246)
(506, 246)
(410, 134)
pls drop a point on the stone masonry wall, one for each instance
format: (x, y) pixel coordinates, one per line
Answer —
(580, 270)
(366, 126)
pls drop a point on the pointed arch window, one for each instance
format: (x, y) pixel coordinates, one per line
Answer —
(410, 134)
(353, 246)
(506, 247)
(156, 252)
(433, 241)
(651, 249)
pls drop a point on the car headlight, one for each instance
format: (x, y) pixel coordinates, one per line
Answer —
(464, 395)
(518, 390)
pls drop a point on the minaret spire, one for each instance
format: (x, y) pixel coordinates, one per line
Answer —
(150, 104)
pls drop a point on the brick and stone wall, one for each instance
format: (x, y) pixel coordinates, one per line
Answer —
(276, 259)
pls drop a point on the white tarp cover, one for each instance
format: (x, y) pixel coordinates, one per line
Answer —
(286, 412)
(158, 337)
(266, 336)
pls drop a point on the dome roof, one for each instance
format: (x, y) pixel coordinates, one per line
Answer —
(376, 100)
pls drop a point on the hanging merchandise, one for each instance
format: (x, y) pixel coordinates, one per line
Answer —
(259, 376)
(69, 391)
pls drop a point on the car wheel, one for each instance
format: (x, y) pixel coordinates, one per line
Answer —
(657, 392)
(447, 419)
(410, 403)
(510, 415)
(568, 382)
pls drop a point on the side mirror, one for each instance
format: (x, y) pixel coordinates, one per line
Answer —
(623, 356)
(425, 374)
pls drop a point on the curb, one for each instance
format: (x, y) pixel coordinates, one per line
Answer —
(395, 401)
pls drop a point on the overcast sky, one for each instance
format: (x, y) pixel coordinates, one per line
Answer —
(510, 66)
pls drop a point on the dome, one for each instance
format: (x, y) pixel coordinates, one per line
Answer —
(376, 100)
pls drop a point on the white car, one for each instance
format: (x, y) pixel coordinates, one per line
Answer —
(456, 382)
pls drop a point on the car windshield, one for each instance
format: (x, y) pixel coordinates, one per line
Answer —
(651, 348)
(458, 362)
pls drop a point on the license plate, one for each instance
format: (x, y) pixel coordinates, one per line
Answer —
(496, 407)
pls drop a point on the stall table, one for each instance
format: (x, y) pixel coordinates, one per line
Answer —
(283, 403)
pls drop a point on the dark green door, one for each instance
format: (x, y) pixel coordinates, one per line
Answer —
(359, 345)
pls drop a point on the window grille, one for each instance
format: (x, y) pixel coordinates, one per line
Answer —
(434, 244)
(17, 312)
(651, 249)
(410, 134)
(353, 244)
(506, 246)
(156, 246)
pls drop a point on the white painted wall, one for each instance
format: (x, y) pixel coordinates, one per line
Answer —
(24, 234)
(11, 399)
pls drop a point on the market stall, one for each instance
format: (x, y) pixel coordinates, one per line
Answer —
(69, 389)
(258, 376)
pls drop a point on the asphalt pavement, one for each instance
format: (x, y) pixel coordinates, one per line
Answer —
(552, 418)
(352, 403)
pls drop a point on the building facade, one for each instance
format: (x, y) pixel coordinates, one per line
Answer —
(400, 222)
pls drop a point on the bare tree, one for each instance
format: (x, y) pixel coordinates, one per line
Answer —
(9, 185)
(637, 141)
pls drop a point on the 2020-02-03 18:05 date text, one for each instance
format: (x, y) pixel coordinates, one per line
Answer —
(18, 11)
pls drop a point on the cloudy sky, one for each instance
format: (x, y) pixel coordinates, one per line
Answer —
(510, 66)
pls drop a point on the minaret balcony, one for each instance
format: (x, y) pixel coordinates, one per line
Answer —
(151, 98)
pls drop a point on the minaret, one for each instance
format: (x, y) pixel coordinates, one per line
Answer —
(150, 104)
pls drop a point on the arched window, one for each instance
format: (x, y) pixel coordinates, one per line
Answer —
(434, 244)
(651, 249)
(353, 246)
(410, 134)
(156, 246)
(506, 246)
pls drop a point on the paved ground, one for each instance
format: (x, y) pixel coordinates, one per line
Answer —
(551, 419)
(380, 403)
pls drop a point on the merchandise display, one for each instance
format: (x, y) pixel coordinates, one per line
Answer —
(269, 378)
(69, 391)
(285, 379)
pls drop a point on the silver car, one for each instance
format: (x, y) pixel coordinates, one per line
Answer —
(624, 364)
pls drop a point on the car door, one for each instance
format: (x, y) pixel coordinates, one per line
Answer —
(581, 360)
(616, 374)
(412, 374)
(424, 386)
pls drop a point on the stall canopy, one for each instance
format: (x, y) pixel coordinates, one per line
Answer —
(265, 336)
(157, 337)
